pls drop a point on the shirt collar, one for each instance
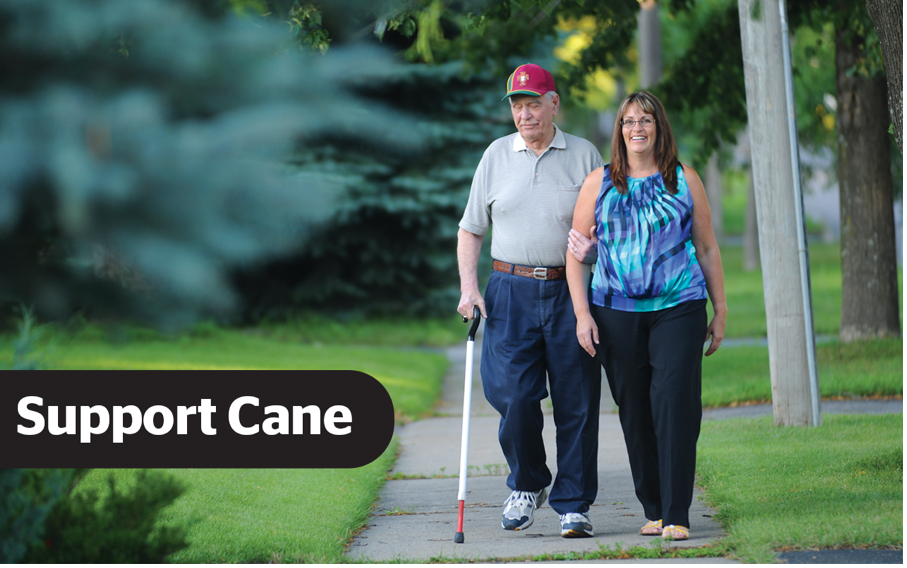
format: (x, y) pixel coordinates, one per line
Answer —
(559, 142)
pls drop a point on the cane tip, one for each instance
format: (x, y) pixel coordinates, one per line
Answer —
(458, 538)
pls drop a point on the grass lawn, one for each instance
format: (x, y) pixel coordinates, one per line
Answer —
(746, 301)
(264, 515)
(733, 200)
(393, 332)
(411, 376)
(838, 485)
(734, 375)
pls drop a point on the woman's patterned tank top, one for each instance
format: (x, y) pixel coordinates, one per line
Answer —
(646, 259)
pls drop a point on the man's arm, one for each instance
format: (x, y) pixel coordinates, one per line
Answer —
(469, 248)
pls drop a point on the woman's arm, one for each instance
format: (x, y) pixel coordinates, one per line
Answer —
(709, 258)
(583, 219)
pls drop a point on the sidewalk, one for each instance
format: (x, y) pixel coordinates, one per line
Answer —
(415, 519)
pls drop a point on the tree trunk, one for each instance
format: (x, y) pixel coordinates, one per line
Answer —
(649, 43)
(751, 230)
(773, 175)
(869, 287)
(888, 19)
(713, 192)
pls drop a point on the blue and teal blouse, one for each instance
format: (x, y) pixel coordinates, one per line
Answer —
(646, 259)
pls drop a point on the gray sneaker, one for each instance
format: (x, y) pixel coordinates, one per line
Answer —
(519, 507)
(575, 525)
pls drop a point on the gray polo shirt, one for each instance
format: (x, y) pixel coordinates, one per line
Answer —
(529, 199)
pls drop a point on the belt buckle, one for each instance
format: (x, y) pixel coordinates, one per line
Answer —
(540, 273)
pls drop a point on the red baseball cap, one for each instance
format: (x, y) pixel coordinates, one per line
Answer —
(529, 79)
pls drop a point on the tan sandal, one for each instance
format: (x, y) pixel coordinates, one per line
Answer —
(652, 528)
(675, 532)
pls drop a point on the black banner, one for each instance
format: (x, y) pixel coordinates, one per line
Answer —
(193, 419)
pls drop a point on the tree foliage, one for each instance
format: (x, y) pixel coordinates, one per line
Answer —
(155, 156)
(488, 35)
(711, 66)
(703, 88)
(144, 146)
(391, 247)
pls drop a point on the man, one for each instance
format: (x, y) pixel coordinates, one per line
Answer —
(526, 185)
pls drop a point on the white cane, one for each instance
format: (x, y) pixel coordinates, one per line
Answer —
(467, 399)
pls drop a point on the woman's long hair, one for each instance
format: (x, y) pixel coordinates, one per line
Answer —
(665, 147)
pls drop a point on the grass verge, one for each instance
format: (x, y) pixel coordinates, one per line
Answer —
(735, 375)
(387, 331)
(746, 299)
(838, 485)
(411, 376)
(267, 515)
(259, 515)
(617, 552)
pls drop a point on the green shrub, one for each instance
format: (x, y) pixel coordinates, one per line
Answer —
(121, 527)
(26, 497)
(27, 356)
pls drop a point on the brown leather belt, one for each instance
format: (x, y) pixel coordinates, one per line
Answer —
(539, 273)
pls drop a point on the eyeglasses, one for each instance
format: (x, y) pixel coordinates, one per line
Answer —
(644, 122)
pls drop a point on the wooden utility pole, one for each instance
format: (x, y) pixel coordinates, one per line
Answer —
(788, 310)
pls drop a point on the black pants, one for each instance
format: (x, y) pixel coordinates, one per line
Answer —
(654, 365)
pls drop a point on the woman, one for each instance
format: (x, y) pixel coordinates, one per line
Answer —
(658, 261)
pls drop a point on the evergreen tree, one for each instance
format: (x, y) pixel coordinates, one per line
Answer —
(392, 246)
(143, 150)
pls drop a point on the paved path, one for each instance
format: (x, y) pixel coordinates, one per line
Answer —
(415, 519)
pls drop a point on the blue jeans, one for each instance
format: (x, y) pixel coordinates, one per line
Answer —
(530, 335)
